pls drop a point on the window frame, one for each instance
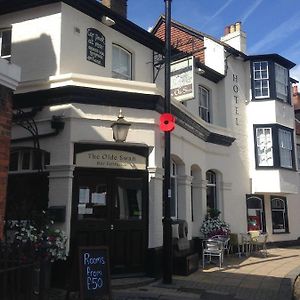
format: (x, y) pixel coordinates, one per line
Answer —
(211, 183)
(277, 158)
(45, 159)
(261, 79)
(261, 210)
(6, 56)
(284, 211)
(119, 75)
(273, 80)
(204, 108)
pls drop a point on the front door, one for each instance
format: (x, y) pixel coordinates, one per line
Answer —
(110, 208)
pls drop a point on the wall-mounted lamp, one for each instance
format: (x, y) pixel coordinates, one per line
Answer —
(120, 128)
(108, 21)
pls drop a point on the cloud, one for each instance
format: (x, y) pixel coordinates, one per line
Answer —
(278, 34)
(218, 12)
(251, 10)
(295, 72)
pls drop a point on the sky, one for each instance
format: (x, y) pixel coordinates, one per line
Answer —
(271, 26)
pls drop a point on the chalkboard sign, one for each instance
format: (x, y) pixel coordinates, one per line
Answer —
(95, 47)
(94, 273)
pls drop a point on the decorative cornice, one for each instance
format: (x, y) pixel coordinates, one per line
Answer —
(84, 95)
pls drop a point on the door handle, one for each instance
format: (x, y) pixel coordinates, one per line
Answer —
(111, 226)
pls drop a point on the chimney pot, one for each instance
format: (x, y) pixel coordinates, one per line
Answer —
(226, 30)
(232, 28)
(118, 6)
(238, 26)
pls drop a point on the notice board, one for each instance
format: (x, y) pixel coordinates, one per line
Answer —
(94, 273)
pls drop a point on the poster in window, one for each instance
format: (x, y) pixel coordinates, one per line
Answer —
(84, 195)
(99, 198)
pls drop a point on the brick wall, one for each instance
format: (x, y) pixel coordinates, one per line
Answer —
(5, 130)
(183, 41)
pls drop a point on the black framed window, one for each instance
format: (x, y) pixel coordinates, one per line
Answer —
(255, 212)
(204, 103)
(5, 43)
(279, 214)
(274, 146)
(270, 80)
(121, 63)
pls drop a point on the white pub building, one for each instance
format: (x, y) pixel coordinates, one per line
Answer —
(233, 147)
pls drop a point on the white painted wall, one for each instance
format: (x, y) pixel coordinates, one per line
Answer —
(214, 55)
(35, 40)
(73, 47)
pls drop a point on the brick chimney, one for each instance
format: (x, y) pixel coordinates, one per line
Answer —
(118, 6)
(235, 37)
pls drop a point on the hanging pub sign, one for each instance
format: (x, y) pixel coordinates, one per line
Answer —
(95, 47)
(94, 273)
(182, 79)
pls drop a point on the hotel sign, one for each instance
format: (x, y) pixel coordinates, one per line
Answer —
(182, 79)
(110, 159)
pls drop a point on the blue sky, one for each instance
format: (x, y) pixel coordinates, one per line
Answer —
(272, 26)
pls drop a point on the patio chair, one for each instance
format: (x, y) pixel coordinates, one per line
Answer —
(259, 241)
(212, 248)
(225, 240)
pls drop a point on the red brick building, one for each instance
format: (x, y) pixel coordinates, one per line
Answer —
(9, 77)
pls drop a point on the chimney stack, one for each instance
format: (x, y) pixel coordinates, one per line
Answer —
(118, 6)
(235, 37)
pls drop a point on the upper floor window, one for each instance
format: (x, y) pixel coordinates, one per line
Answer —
(27, 160)
(121, 63)
(5, 43)
(204, 104)
(270, 80)
(279, 214)
(282, 84)
(274, 146)
(261, 79)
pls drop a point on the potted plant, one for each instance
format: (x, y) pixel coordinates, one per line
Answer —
(213, 225)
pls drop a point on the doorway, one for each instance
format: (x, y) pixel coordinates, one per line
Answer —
(110, 207)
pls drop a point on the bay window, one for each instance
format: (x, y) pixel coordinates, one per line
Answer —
(274, 146)
(270, 77)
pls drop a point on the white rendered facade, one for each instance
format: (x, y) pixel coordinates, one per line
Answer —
(49, 43)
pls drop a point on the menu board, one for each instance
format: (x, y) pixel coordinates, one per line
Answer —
(94, 273)
(95, 47)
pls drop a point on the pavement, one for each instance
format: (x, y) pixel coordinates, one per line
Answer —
(254, 277)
